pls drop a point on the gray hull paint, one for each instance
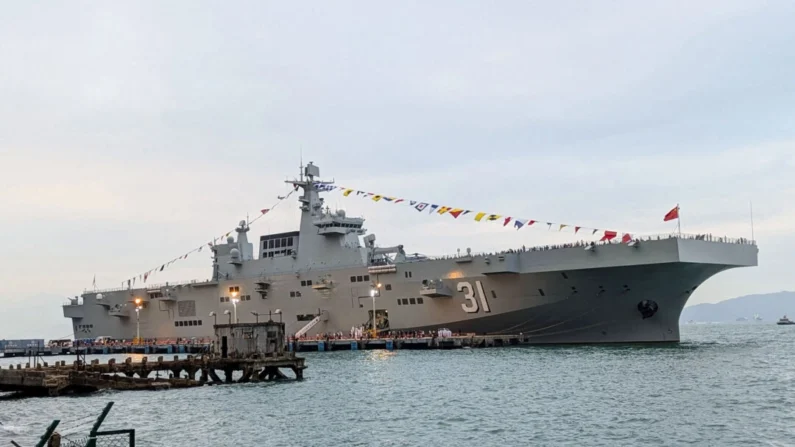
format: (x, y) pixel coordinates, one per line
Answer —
(612, 316)
(564, 295)
(597, 305)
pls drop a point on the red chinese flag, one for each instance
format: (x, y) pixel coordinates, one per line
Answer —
(608, 235)
(627, 238)
(673, 214)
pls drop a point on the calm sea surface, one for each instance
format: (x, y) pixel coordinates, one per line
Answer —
(724, 385)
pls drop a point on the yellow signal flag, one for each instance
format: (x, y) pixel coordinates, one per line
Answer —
(562, 226)
(376, 198)
(347, 192)
(493, 216)
(479, 216)
(443, 209)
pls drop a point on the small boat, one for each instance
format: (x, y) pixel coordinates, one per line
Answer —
(785, 321)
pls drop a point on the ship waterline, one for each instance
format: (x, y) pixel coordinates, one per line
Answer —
(321, 279)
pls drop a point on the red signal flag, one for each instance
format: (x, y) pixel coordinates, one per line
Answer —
(671, 215)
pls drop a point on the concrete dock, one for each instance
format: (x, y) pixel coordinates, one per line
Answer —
(391, 344)
(127, 348)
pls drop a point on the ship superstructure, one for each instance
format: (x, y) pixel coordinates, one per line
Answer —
(331, 276)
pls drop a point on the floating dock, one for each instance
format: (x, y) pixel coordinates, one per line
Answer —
(391, 344)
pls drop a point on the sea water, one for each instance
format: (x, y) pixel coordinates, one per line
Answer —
(723, 385)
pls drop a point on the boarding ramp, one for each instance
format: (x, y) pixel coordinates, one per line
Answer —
(308, 326)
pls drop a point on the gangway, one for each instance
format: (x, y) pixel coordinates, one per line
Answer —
(308, 326)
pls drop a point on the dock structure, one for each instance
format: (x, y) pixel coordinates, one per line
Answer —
(391, 344)
(98, 349)
(242, 353)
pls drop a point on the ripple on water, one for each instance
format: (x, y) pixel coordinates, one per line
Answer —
(724, 385)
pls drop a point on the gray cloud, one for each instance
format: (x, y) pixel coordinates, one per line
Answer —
(132, 133)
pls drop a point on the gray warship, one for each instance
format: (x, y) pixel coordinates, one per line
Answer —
(331, 276)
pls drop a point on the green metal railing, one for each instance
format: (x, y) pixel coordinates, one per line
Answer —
(95, 438)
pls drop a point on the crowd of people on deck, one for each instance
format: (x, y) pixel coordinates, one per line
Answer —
(616, 240)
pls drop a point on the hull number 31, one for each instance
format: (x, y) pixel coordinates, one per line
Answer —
(471, 305)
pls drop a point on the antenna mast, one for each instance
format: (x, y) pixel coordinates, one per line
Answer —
(751, 205)
(301, 166)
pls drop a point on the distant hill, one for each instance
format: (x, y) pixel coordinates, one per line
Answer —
(769, 306)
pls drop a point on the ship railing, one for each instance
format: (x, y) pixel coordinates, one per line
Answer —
(148, 286)
(707, 237)
(115, 289)
(177, 283)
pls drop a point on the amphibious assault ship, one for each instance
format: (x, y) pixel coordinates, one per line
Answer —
(329, 276)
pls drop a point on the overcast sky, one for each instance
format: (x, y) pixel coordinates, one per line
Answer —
(133, 132)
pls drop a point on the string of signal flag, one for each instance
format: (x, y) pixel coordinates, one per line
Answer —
(143, 277)
(518, 222)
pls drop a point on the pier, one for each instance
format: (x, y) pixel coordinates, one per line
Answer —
(248, 352)
(61, 378)
(391, 344)
(110, 348)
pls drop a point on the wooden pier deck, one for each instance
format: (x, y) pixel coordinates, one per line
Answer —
(60, 378)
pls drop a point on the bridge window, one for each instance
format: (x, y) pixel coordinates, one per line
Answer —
(419, 300)
(493, 293)
(405, 301)
(398, 301)
(366, 277)
(412, 301)
(541, 291)
(388, 287)
(359, 279)
(292, 294)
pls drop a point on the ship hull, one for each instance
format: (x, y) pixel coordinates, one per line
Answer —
(600, 315)
(566, 305)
